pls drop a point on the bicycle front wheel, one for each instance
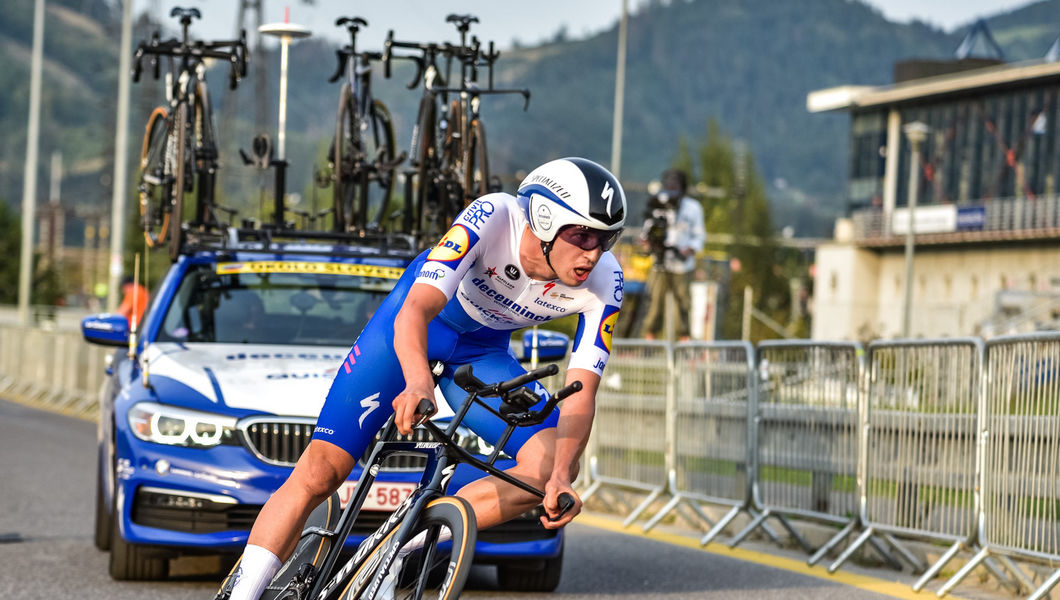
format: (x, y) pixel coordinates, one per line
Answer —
(428, 568)
(156, 178)
(362, 162)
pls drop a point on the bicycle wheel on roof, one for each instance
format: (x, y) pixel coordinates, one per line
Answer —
(156, 177)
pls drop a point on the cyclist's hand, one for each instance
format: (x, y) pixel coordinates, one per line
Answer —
(405, 407)
(552, 519)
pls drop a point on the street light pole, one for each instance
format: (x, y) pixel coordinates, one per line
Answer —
(29, 182)
(916, 132)
(121, 138)
(620, 93)
(286, 31)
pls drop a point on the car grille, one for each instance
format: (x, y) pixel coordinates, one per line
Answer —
(282, 442)
(278, 442)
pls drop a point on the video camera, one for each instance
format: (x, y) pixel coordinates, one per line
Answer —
(659, 215)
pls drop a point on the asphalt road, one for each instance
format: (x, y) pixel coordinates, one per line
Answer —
(46, 511)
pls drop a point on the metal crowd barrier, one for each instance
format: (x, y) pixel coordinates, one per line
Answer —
(56, 370)
(711, 440)
(807, 434)
(921, 463)
(628, 447)
(1021, 471)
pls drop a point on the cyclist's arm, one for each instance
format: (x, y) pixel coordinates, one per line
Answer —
(422, 304)
(572, 434)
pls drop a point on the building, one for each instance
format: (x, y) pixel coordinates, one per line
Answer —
(986, 222)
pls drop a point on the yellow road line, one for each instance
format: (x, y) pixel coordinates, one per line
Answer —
(871, 584)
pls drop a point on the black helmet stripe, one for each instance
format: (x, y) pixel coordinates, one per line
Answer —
(602, 191)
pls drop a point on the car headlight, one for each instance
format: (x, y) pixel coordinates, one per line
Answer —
(163, 424)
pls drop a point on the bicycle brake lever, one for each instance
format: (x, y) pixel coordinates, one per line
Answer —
(526, 100)
(426, 410)
(343, 57)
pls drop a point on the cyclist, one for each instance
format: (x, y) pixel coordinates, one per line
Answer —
(506, 263)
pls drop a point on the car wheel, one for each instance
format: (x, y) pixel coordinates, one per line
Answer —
(129, 562)
(518, 576)
(104, 517)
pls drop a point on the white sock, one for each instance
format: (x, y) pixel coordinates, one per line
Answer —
(256, 569)
(417, 542)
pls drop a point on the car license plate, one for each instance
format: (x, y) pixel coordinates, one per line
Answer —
(383, 495)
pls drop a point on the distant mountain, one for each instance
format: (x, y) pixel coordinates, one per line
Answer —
(746, 63)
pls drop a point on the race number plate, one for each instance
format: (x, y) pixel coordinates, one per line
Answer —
(384, 496)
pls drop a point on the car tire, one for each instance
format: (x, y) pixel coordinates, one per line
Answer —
(104, 517)
(130, 562)
(517, 576)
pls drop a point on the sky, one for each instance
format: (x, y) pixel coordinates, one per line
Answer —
(503, 21)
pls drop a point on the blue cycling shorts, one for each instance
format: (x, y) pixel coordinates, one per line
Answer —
(361, 396)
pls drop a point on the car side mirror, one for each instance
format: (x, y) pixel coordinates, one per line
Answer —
(106, 329)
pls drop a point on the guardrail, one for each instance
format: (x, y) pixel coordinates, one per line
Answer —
(949, 440)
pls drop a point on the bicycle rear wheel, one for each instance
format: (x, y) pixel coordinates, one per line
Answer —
(425, 155)
(436, 570)
(476, 163)
(205, 157)
(311, 550)
(156, 178)
(182, 158)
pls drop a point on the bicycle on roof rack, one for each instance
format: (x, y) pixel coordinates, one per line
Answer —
(434, 534)
(362, 155)
(449, 157)
(179, 136)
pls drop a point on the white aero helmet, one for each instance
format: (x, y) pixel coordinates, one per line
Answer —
(572, 191)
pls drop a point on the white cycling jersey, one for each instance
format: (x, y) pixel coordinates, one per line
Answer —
(476, 265)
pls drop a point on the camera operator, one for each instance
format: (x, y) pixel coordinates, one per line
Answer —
(673, 233)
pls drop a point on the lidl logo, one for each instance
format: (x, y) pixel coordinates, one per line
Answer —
(453, 245)
(607, 328)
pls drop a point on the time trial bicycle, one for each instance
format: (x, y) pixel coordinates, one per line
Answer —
(434, 534)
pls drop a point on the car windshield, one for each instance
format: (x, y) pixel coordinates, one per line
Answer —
(276, 303)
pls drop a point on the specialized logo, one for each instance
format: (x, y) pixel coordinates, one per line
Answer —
(453, 245)
(548, 286)
(478, 212)
(607, 328)
(369, 405)
(511, 272)
(608, 194)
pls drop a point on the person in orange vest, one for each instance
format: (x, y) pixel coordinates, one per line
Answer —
(134, 300)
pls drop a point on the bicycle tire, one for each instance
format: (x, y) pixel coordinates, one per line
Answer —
(362, 169)
(205, 156)
(311, 549)
(381, 181)
(425, 154)
(156, 178)
(437, 571)
(453, 154)
(176, 233)
(476, 163)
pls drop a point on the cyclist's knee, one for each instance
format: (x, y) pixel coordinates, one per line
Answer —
(321, 470)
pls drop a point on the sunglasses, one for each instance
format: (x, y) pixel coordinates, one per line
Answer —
(587, 238)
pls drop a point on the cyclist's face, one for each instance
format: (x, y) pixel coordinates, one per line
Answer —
(571, 261)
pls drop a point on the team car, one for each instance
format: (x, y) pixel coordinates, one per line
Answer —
(209, 404)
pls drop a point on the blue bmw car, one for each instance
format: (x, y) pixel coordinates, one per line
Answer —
(206, 412)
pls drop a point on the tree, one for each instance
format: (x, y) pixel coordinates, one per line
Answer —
(46, 286)
(741, 209)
